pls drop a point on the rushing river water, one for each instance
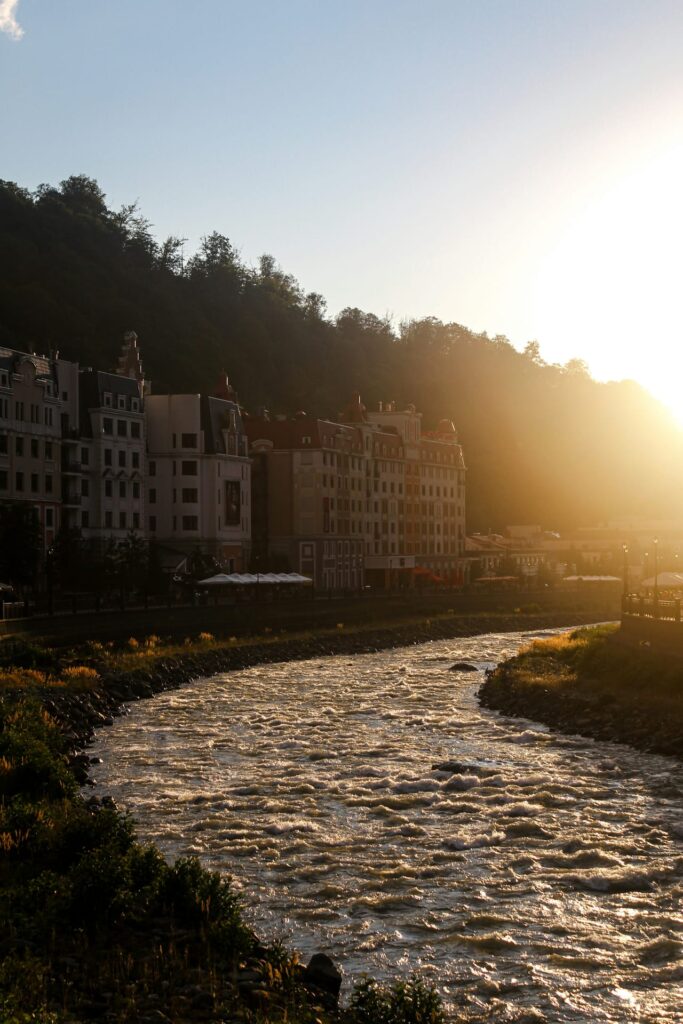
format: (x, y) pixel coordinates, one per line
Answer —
(368, 807)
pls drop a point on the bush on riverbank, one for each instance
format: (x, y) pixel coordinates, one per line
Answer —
(585, 682)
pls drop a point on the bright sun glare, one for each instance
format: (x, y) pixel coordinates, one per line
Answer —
(609, 292)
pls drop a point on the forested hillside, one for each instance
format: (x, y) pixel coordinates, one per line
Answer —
(543, 443)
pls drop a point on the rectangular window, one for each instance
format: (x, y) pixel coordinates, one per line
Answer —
(122, 520)
(48, 483)
(121, 401)
(107, 399)
(108, 520)
(107, 425)
(122, 489)
(152, 524)
(136, 489)
(85, 488)
(19, 446)
(122, 460)
(189, 495)
(107, 489)
(121, 428)
(135, 429)
(188, 468)
(49, 518)
(174, 440)
(85, 519)
(3, 444)
(152, 469)
(19, 410)
(188, 440)
(153, 496)
(136, 520)
(19, 481)
(107, 456)
(135, 460)
(85, 455)
(3, 479)
(34, 449)
(190, 523)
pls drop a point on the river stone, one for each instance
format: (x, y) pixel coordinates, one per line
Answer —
(323, 974)
(463, 666)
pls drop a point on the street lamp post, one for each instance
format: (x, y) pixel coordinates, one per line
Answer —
(656, 586)
(624, 548)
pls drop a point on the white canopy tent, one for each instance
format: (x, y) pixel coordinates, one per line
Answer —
(246, 578)
(218, 580)
(591, 579)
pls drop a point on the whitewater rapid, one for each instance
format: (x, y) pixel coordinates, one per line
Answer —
(368, 806)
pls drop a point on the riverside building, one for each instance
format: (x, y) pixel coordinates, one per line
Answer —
(198, 485)
(309, 485)
(34, 402)
(106, 455)
(369, 500)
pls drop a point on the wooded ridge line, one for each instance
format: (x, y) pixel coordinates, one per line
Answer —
(543, 443)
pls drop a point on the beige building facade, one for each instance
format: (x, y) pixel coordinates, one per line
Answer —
(368, 499)
(198, 487)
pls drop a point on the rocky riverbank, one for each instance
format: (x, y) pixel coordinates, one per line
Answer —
(594, 688)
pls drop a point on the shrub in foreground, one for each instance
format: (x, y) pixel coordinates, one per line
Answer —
(406, 1002)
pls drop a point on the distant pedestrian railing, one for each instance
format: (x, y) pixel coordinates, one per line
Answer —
(652, 608)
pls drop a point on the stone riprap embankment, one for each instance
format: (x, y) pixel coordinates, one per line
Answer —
(598, 715)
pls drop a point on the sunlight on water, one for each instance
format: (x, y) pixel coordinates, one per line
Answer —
(370, 808)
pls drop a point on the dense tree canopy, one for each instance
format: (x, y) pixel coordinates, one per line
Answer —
(544, 443)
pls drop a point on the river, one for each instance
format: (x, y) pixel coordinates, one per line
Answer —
(368, 807)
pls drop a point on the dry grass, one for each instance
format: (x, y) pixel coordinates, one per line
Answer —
(586, 661)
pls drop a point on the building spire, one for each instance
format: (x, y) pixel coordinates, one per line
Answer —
(130, 363)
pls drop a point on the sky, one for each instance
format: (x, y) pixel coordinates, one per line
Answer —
(512, 165)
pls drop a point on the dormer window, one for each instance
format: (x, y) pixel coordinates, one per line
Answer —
(121, 401)
(107, 399)
(306, 440)
(135, 404)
